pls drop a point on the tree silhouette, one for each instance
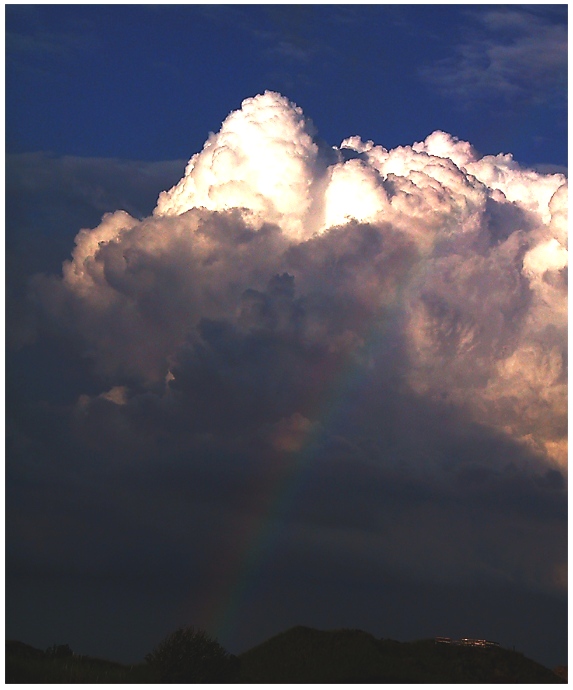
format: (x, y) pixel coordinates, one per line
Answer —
(190, 655)
(59, 651)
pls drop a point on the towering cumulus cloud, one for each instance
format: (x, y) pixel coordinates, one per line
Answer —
(277, 265)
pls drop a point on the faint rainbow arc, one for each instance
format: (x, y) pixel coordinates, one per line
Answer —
(259, 539)
(280, 496)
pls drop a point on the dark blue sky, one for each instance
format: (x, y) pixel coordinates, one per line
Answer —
(329, 388)
(149, 82)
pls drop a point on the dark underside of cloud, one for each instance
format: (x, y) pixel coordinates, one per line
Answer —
(316, 386)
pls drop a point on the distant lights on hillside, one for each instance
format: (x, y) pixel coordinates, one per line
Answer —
(466, 642)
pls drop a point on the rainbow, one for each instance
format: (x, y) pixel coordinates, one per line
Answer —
(287, 468)
(284, 481)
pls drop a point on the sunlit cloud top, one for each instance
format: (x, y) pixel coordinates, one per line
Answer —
(461, 259)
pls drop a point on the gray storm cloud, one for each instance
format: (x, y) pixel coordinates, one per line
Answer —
(275, 258)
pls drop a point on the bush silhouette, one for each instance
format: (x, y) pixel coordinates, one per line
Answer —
(189, 655)
(59, 651)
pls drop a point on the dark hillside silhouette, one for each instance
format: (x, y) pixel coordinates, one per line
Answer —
(306, 655)
(299, 655)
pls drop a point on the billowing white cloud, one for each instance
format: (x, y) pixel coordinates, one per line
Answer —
(274, 260)
(263, 160)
